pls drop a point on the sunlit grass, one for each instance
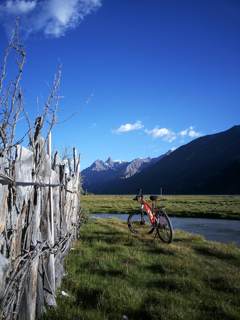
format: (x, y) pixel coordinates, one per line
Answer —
(112, 273)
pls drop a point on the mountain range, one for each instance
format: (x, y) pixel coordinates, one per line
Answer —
(103, 172)
(207, 165)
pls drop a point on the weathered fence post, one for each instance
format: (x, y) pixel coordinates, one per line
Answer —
(51, 265)
(36, 234)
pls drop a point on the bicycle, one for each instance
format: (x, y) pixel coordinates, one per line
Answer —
(150, 219)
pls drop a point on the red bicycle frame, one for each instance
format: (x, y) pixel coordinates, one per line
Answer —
(147, 208)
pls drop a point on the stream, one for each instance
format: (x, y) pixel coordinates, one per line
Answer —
(221, 230)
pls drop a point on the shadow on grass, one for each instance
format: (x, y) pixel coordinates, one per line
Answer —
(175, 284)
(221, 284)
(94, 269)
(165, 285)
(216, 253)
(107, 249)
(139, 314)
(88, 298)
(156, 268)
(107, 273)
(162, 250)
(217, 311)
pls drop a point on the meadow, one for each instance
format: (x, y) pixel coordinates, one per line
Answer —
(227, 207)
(113, 274)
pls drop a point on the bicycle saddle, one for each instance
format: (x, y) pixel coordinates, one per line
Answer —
(153, 198)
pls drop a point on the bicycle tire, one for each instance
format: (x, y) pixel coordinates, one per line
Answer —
(164, 227)
(136, 224)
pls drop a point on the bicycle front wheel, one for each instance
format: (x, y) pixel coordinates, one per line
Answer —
(139, 223)
(164, 227)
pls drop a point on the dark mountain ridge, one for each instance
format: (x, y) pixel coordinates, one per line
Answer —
(207, 165)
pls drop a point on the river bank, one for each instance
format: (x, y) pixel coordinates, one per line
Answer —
(221, 230)
(214, 207)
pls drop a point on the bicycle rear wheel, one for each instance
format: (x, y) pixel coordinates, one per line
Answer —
(164, 227)
(139, 223)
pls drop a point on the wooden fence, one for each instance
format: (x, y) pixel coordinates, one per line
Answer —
(39, 219)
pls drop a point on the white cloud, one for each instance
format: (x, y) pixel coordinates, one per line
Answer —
(189, 132)
(164, 133)
(127, 127)
(161, 133)
(52, 17)
(17, 7)
(194, 134)
(183, 133)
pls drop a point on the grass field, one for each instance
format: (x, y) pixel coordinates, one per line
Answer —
(227, 207)
(112, 274)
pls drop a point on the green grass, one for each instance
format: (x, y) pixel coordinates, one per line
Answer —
(112, 273)
(227, 207)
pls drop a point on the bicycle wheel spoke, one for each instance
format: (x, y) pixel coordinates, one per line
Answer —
(164, 228)
(139, 224)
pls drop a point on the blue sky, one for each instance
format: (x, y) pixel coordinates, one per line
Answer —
(139, 77)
